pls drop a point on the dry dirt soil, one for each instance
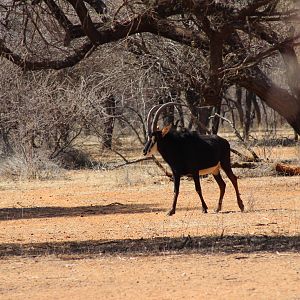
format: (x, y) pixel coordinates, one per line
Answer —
(105, 235)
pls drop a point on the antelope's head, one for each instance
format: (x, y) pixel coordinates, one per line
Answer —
(154, 133)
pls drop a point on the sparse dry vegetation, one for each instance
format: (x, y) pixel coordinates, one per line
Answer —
(82, 214)
(93, 219)
(20, 167)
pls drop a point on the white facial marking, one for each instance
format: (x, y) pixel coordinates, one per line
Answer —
(215, 170)
(153, 148)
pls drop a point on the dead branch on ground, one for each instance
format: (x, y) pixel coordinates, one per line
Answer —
(290, 170)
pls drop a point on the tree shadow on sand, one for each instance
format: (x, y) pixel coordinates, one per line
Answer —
(157, 246)
(55, 211)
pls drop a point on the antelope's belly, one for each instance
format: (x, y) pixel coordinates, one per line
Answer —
(215, 170)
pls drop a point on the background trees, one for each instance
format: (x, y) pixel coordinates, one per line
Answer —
(117, 58)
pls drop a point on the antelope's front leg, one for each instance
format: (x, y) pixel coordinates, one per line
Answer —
(198, 190)
(176, 192)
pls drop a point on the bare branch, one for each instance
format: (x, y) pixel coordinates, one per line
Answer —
(25, 64)
(126, 163)
(256, 158)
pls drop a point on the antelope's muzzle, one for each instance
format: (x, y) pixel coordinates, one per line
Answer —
(149, 148)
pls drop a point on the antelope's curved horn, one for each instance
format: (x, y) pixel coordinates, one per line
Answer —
(156, 116)
(150, 113)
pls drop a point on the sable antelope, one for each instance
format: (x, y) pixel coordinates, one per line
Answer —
(189, 153)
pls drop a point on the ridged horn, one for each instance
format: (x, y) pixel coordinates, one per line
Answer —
(156, 116)
(150, 113)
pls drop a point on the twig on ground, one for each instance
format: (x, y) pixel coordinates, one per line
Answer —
(287, 169)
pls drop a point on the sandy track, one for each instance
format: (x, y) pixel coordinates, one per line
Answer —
(89, 236)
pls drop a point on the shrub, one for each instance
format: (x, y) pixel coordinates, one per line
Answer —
(18, 166)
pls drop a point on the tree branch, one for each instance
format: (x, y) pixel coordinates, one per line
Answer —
(275, 97)
(255, 156)
(86, 21)
(66, 62)
(98, 5)
(59, 15)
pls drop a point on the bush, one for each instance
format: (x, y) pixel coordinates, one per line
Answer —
(18, 166)
(72, 158)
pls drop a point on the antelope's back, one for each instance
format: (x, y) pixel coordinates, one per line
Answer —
(198, 152)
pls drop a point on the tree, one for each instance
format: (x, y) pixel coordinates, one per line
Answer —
(238, 43)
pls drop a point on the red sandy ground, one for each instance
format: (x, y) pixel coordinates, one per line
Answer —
(67, 219)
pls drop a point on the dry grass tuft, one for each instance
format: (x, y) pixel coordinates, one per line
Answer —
(133, 175)
(20, 167)
(251, 202)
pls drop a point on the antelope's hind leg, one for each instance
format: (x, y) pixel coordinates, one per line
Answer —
(233, 179)
(226, 166)
(222, 186)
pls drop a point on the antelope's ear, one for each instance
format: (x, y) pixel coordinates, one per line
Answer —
(165, 130)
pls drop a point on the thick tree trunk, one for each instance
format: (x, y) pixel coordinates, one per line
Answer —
(275, 97)
(239, 106)
(216, 121)
(168, 113)
(110, 107)
(247, 115)
(193, 100)
(203, 118)
(290, 59)
(7, 148)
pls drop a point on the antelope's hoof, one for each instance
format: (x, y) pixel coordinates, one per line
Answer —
(218, 209)
(171, 212)
(204, 210)
(241, 206)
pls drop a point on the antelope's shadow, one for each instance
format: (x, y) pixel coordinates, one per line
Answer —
(16, 213)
